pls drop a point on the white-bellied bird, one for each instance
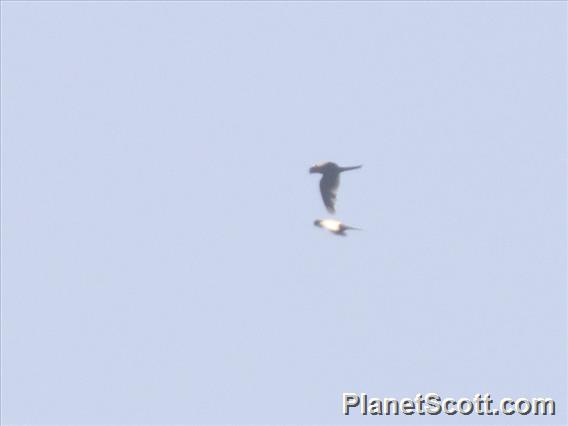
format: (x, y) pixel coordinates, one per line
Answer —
(334, 226)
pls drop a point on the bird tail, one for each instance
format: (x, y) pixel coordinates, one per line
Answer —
(351, 228)
(344, 169)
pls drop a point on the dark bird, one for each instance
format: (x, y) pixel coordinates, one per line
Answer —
(334, 226)
(330, 181)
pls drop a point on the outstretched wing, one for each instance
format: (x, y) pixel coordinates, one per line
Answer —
(328, 187)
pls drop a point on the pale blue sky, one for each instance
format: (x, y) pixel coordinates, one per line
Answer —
(159, 259)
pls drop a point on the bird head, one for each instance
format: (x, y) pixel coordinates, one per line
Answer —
(320, 167)
(324, 167)
(317, 222)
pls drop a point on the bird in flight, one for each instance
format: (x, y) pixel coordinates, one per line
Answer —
(334, 226)
(330, 181)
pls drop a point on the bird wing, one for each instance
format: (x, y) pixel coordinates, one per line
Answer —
(347, 227)
(328, 187)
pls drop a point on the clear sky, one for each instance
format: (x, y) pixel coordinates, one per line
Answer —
(159, 259)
